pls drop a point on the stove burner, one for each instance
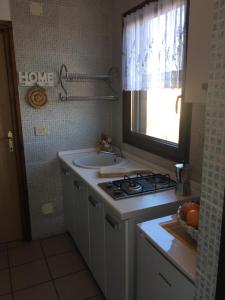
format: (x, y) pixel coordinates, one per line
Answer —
(131, 186)
(134, 186)
(164, 179)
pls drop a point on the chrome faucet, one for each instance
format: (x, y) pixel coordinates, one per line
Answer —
(114, 150)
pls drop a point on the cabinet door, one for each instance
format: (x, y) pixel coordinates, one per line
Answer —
(81, 222)
(115, 235)
(68, 203)
(97, 239)
(157, 278)
(199, 39)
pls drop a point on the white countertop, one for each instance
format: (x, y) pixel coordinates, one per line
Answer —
(130, 207)
(183, 257)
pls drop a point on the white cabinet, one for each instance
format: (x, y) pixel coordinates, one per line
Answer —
(70, 211)
(106, 242)
(76, 210)
(157, 278)
(99, 235)
(115, 235)
(97, 238)
(199, 38)
(82, 219)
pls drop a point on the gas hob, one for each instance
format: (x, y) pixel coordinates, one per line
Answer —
(136, 186)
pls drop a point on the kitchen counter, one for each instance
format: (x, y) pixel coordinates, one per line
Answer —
(130, 207)
(176, 251)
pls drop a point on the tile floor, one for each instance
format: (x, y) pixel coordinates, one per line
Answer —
(50, 269)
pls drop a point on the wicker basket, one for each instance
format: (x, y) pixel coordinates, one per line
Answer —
(189, 229)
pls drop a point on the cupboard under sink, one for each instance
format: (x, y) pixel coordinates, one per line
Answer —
(104, 230)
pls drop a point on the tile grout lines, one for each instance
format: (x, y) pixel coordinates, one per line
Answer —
(53, 279)
(10, 273)
(32, 286)
(92, 297)
(45, 258)
(71, 273)
(49, 270)
(37, 259)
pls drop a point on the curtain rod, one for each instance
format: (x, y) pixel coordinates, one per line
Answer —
(139, 6)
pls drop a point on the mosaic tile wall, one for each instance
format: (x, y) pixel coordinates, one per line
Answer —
(77, 33)
(213, 184)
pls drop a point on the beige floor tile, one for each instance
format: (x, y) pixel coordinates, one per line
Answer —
(3, 247)
(65, 264)
(44, 291)
(30, 274)
(79, 286)
(57, 245)
(3, 260)
(17, 243)
(100, 297)
(4, 282)
(25, 253)
(7, 297)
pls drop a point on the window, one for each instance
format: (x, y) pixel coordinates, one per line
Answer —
(154, 50)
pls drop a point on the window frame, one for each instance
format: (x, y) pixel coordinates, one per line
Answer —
(172, 151)
(169, 150)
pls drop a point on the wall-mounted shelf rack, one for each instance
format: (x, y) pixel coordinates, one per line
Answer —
(64, 75)
(87, 98)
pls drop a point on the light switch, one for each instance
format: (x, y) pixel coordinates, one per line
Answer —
(40, 131)
(36, 9)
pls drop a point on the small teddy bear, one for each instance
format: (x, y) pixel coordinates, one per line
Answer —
(105, 143)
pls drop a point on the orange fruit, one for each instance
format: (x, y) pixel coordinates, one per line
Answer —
(192, 218)
(188, 206)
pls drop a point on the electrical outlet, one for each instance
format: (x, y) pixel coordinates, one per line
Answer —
(36, 9)
(47, 209)
(40, 131)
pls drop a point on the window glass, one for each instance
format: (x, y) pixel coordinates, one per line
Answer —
(154, 53)
(156, 113)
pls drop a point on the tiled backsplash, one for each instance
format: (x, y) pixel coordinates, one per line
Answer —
(213, 184)
(77, 33)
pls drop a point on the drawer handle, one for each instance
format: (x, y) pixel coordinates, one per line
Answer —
(77, 185)
(65, 172)
(112, 222)
(164, 279)
(94, 203)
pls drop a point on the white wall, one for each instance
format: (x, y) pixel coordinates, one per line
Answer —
(5, 10)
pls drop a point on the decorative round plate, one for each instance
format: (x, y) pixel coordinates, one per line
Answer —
(37, 97)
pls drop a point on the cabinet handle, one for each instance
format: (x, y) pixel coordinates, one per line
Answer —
(65, 171)
(112, 222)
(94, 203)
(77, 185)
(164, 279)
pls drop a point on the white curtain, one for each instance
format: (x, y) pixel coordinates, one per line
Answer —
(153, 46)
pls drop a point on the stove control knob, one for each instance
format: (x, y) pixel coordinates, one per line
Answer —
(109, 186)
(117, 192)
